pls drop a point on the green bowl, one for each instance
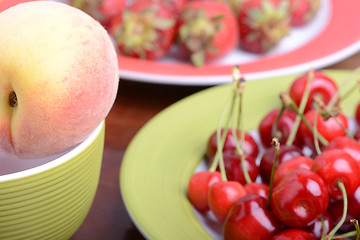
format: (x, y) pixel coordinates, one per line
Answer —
(51, 201)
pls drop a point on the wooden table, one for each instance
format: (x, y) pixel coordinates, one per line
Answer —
(136, 104)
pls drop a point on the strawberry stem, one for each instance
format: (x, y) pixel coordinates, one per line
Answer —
(276, 145)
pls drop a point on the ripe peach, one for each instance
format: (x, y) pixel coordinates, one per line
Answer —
(58, 78)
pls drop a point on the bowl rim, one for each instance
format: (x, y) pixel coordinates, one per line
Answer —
(70, 154)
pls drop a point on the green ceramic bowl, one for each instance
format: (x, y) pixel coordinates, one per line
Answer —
(50, 201)
(165, 153)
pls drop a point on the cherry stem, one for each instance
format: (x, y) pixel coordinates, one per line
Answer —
(341, 186)
(316, 139)
(239, 85)
(276, 145)
(356, 224)
(304, 100)
(323, 234)
(290, 103)
(218, 158)
(276, 122)
(335, 97)
(345, 235)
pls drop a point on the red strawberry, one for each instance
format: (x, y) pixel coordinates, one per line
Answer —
(303, 11)
(262, 24)
(207, 31)
(102, 10)
(145, 30)
(235, 5)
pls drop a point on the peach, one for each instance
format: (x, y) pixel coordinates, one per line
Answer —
(58, 78)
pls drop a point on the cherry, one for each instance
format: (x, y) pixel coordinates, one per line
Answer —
(221, 197)
(284, 127)
(350, 146)
(198, 188)
(233, 168)
(322, 85)
(248, 218)
(291, 234)
(250, 146)
(329, 129)
(316, 226)
(336, 166)
(353, 212)
(357, 114)
(261, 189)
(284, 168)
(299, 198)
(267, 160)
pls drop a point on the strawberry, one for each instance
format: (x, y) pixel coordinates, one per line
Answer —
(102, 10)
(235, 5)
(175, 6)
(146, 30)
(262, 24)
(207, 31)
(303, 11)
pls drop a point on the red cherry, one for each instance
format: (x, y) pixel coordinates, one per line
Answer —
(221, 197)
(248, 218)
(284, 127)
(267, 160)
(336, 211)
(299, 198)
(322, 86)
(250, 146)
(198, 188)
(233, 168)
(261, 189)
(357, 114)
(329, 129)
(336, 165)
(350, 146)
(294, 234)
(316, 226)
(284, 168)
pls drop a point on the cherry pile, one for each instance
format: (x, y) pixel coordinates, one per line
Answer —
(303, 184)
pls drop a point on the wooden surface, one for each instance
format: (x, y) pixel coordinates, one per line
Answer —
(136, 104)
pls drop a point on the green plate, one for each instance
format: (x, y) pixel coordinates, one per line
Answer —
(165, 153)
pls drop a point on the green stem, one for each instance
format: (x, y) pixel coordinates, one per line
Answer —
(276, 122)
(308, 125)
(242, 131)
(218, 158)
(345, 235)
(316, 139)
(343, 217)
(356, 224)
(302, 106)
(323, 234)
(276, 145)
(335, 97)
